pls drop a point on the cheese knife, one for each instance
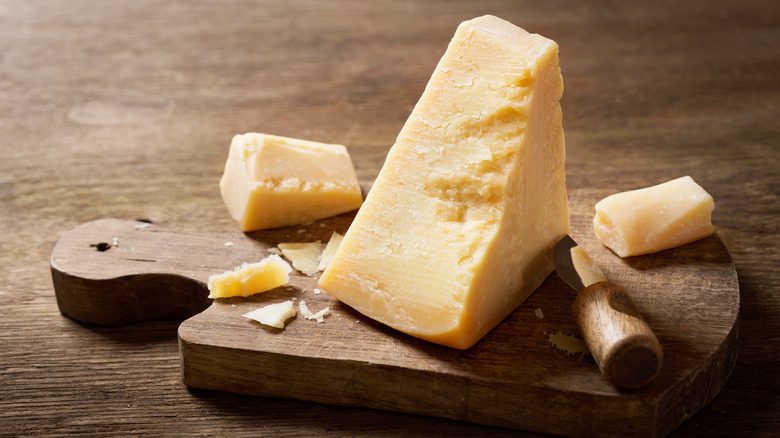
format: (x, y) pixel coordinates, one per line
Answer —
(621, 342)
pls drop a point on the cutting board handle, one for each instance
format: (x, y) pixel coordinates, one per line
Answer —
(623, 345)
(113, 272)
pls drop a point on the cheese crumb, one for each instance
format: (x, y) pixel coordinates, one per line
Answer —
(305, 310)
(568, 344)
(274, 315)
(228, 243)
(319, 316)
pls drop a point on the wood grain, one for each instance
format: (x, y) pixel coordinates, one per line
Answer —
(622, 344)
(513, 377)
(352, 360)
(126, 110)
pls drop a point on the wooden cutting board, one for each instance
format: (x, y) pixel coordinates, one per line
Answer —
(520, 375)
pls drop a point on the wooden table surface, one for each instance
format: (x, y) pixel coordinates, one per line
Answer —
(126, 110)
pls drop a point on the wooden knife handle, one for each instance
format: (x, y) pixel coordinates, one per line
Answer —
(623, 345)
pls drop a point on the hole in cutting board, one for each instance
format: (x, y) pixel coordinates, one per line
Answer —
(102, 246)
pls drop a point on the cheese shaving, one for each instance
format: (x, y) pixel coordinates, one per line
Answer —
(330, 250)
(319, 316)
(274, 315)
(304, 257)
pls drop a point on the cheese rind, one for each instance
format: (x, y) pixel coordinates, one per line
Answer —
(458, 229)
(654, 218)
(271, 181)
(249, 279)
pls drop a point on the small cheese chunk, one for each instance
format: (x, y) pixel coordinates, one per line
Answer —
(655, 218)
(273, 315)
(304, 257)
(330, 250)
(249, 279)
(459, 227)
(272, 181)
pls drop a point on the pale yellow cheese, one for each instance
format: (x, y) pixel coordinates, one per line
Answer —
(272, 181)
(459, 226)
(310, 257)
(330, 250)
(319, 316)
(654, 218)
(274, 315)
(304, 257)
(569, 344)
(587, 270)
(248, 279)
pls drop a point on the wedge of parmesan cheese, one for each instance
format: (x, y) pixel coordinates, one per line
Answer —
(459, 227)
(249, 279)
(274, 315)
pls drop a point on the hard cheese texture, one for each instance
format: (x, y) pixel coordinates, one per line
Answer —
(588, 271)
(458, 228)
(274, 315)
(304, 257)
(330, 250)
(654, 218)
(249, 279)
(272, 181)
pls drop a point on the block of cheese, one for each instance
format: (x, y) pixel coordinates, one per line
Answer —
(272, 181)
(249, 279)
(654, 218)
(458, 229)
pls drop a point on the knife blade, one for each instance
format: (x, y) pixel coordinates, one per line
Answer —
(620, 341)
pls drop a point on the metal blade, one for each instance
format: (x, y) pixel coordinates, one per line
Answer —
(574, 265)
